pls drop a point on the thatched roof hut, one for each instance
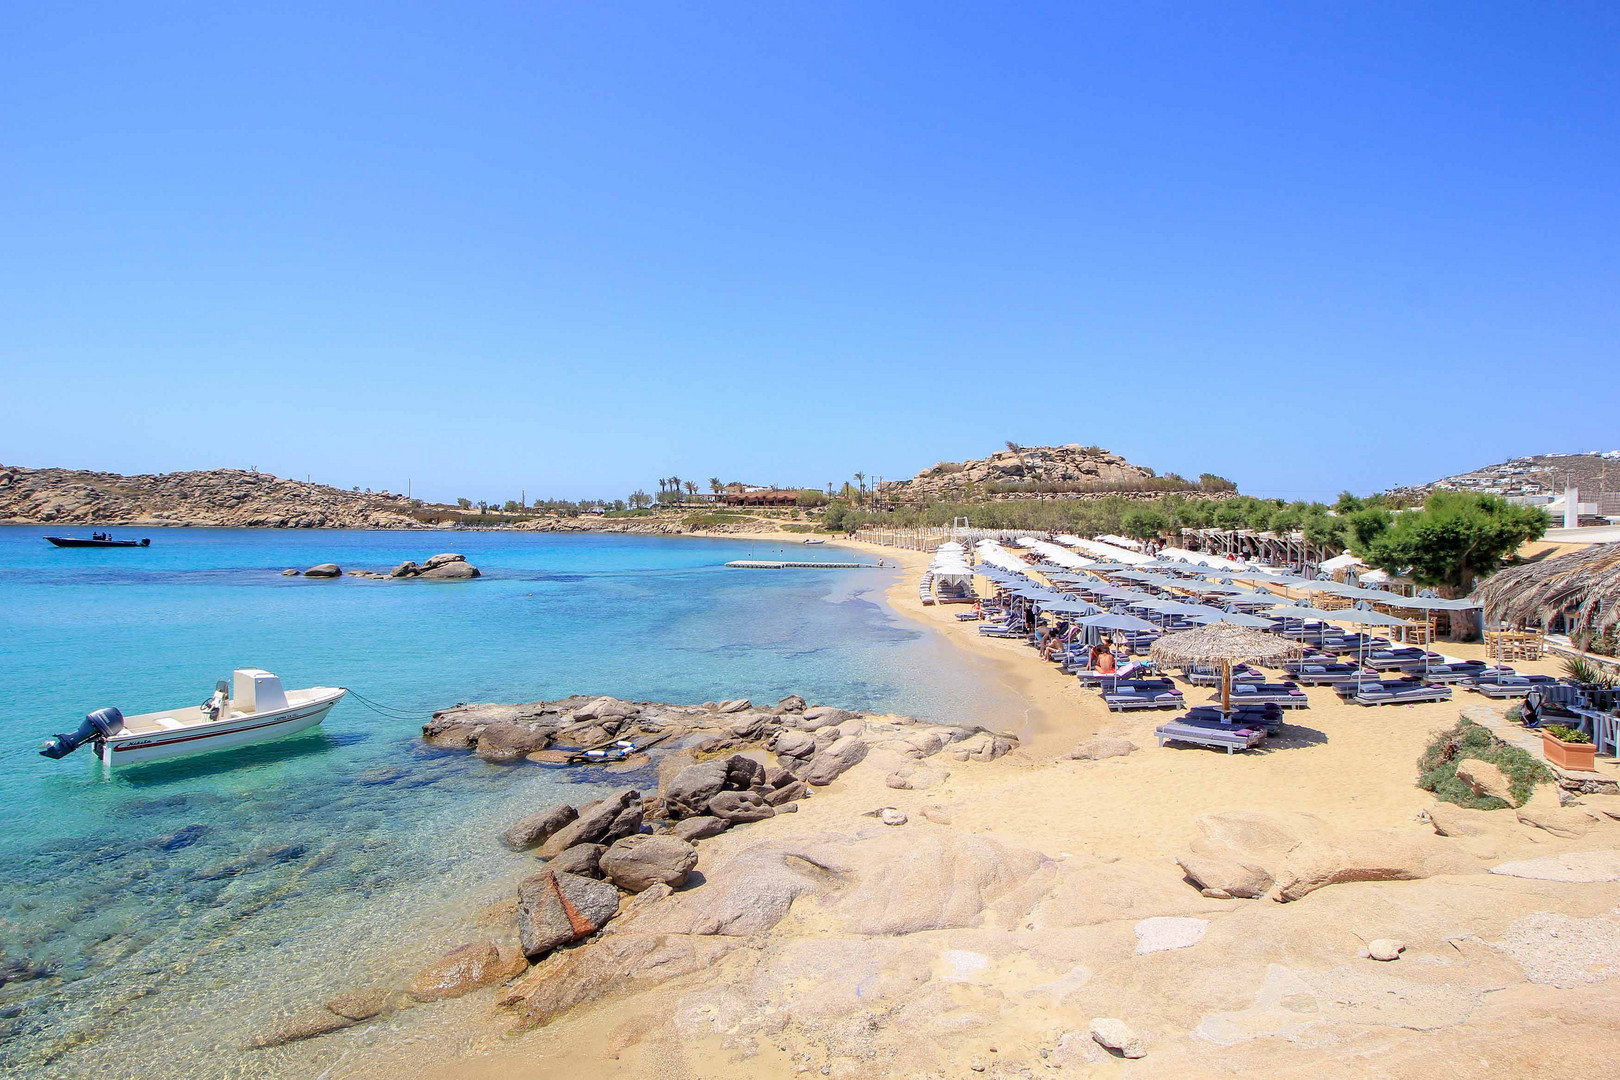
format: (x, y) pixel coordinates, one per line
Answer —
(1583, 587)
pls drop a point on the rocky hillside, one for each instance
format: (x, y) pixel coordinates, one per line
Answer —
(1063, 468)
(1538, 474)
(216, 497)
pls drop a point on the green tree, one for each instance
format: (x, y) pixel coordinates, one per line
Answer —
(1144, 522)
(715, 485)
(1210, 482)
(465, 504)
(640, 499)
(1360, 528)
(1456, 538)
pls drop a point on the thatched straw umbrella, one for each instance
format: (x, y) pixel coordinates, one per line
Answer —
(1587, 582)
(1224, 644)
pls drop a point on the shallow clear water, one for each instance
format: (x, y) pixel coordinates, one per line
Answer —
(150, 919)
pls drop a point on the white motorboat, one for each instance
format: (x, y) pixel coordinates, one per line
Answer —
(252, 708)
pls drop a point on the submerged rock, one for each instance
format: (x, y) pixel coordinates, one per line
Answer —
(467, 968)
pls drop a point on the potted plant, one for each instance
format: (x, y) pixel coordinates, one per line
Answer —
(1568, 748)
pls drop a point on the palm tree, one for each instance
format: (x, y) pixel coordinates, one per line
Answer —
(691, 487)
(860, 483)
(715, 485)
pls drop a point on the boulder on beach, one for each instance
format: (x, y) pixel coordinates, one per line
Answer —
(536, 829)
(598, 823)
(637, 863)
(558, 908)
(324, 570)
(584, 860)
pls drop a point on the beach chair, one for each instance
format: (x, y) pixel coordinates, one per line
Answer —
(1211, 676)
(1267, 715)
(1505, 683)
(1284, 694)
(1406, 691)
(1002, 630)
(1402, 659)
(1454, 673)
(1353, 643)
(1143, 694)
(1323, 673)
(1231, 739)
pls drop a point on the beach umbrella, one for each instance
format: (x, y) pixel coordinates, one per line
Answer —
(1111, 621)
(1236, 618)
(1222, 643)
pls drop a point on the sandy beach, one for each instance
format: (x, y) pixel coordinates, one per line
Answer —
(1064, 901)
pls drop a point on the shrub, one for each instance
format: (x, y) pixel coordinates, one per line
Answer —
(1567, 734)
(1437, 767)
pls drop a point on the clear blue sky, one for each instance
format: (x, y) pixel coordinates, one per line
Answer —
(571, 249)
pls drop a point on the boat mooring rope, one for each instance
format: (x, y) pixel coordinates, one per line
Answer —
(389, 711)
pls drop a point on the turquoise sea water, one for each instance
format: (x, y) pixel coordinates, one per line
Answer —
(151, 919)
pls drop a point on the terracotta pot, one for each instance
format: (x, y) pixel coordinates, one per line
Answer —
(1577, 757)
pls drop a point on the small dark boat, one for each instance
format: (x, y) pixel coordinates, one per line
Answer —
(80, 541)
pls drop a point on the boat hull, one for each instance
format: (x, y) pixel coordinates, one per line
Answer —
(77, 542)
(132, 749)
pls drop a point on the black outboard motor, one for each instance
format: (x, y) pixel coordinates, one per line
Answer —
(97, 725)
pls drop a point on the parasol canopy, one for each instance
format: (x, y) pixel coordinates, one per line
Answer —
(1222, 643)
(1225, 644)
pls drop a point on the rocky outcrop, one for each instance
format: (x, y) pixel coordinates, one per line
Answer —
(1288, 856)
(1100, 747)
(446, 567)
(324, 570)
(227, 497)
(1483, 778)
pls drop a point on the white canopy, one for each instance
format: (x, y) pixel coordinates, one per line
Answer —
(1060, 555)
(1100, 550)
(1341, 562)
(1214, 562)
(1123, 541)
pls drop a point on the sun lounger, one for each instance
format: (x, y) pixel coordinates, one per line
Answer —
(1002, 630)
(1211, 676)
(1401, 659)
(1393, 692)
(1286, 694)
(1267, 715)
(1454, 673)
(1143, 694)
(1350, 643)
(1320, 673)
(1497, 684)
(1232, 739)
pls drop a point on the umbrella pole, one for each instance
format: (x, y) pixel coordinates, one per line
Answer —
(1226, 688)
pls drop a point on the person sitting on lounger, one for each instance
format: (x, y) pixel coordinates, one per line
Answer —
(1102, 661)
